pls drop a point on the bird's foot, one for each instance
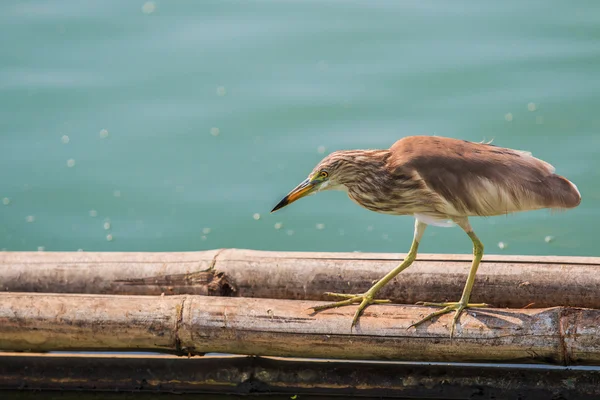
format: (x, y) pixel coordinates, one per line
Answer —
(363, 299)
(457, 307)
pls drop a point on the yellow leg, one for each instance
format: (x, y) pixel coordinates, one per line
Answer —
(367, 298)
(463, 303)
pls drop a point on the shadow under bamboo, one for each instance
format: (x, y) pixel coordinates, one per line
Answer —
(503, 281)
(288, 328)
(259, 375)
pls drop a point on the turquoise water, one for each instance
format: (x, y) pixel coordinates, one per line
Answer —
(172, 125)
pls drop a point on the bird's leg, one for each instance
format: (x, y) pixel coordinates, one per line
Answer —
(367, 297)
(463, 303)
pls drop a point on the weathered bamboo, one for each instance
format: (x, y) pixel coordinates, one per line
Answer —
(107, 272)
(503, 281)
(258, 375)
(203, 324)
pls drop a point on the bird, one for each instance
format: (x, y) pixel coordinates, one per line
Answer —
(440, 181)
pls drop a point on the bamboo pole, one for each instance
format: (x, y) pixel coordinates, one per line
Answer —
(287, 328)
(107, 272)
(503, 281)
(259, 375)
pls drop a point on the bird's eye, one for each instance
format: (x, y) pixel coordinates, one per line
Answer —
(324, 174)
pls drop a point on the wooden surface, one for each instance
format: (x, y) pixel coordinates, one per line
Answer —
(258, 375)
(203, 324)
(106, 272)
(503, 281)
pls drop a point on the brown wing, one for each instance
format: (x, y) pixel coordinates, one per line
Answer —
(481, 179)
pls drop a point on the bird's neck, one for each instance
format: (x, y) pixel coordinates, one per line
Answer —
(361, 166)
(372, 184)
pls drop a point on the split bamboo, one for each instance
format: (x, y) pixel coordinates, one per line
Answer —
(502, 281)
(288, 328)
(261, 375)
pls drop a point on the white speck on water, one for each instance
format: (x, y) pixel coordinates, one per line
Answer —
(321, 149)
(30, 218)
(370, 228)
(539, 120)
(221, 91)
(103, 133)
(203, 237)
(549, 239)
(385, 236)
(256, 216)
(320, 226)
(531, 107)
(41, 248)
(107, 225)
(290, 232)
(117, 193)
(502, 245)
(93, 213)
(278, 225)
(215, 131)
(149, 7)
(206, 231)
(70, 163)
(508, 117)
(322, 65)
(65, 139)
(80, 250)
(109, 237)
(6, 201)
(341, 232)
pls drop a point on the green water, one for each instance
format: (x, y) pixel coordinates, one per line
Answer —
(188, 116)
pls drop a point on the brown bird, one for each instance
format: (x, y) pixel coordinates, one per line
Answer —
(440, 181)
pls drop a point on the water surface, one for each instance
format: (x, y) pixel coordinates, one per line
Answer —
(184, 119)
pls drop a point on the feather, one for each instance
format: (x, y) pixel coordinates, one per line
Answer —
(477, 179)
(437, 179)
(435, 221)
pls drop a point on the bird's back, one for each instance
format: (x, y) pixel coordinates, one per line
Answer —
(478, 178)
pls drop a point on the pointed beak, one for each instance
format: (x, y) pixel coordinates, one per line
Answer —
(306, 188)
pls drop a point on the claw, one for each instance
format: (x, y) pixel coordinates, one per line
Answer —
(458, 307)
(363, 304)
(341, 295)
(364, 299)
(335, 305)
(452, 304)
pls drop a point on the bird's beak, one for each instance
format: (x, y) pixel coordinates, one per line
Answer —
(306, 188)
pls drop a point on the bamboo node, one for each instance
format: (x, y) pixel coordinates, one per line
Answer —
(220, 285)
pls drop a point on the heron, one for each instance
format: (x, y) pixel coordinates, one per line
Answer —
(440, 181)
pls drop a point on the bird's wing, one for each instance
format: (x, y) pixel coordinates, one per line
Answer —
(479, 179)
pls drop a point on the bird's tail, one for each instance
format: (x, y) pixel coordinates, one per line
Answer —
(562, 193)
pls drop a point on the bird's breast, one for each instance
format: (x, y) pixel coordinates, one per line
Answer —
(380, 202)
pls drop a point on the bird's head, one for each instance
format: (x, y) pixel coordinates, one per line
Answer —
(328, 174)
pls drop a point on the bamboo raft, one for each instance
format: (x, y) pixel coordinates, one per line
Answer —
(255, 305)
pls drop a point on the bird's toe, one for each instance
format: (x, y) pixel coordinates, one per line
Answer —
(458, 308)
